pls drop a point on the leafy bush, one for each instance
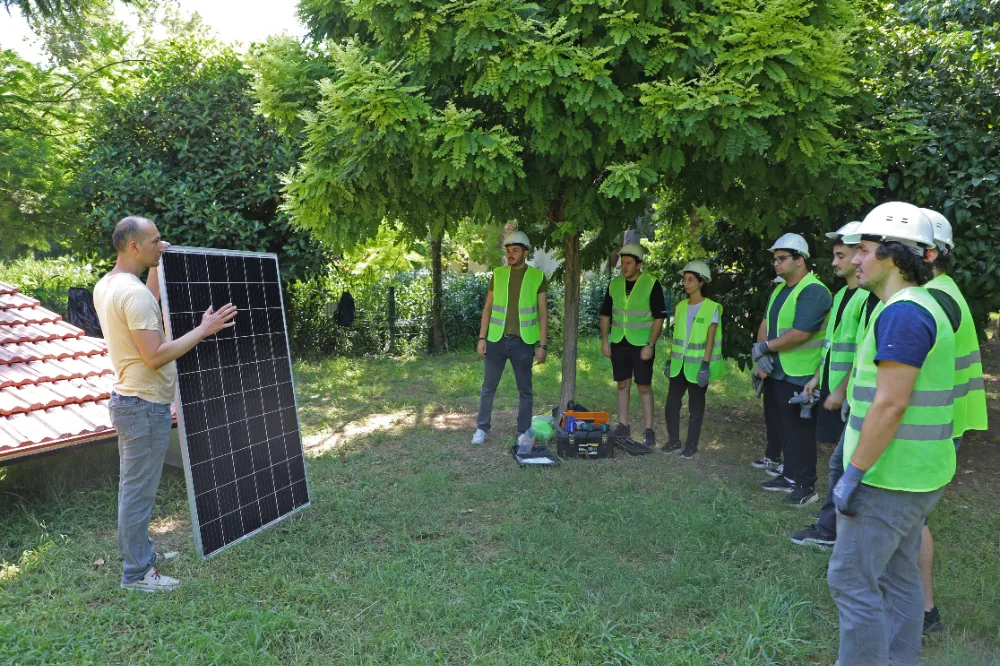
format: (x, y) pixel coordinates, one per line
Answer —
(186, 149)
(49, 280)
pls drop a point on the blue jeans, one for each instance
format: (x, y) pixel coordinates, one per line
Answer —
(827, 520)
(522, 356)
(143, 436)
(874, 578)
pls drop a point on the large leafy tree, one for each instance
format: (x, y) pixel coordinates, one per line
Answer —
(938, 79)
(185, 148)
(564, 115)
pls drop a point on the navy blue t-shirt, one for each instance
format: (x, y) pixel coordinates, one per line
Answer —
(904, 333)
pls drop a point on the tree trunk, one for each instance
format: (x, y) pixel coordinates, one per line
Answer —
(437, 317)
(571, 318)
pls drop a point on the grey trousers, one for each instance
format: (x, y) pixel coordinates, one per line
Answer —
(874, 579)
(143, 436)
(521, 356)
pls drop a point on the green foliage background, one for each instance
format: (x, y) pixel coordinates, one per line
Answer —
(185, 148)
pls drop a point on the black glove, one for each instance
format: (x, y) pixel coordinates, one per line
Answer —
(703, 375)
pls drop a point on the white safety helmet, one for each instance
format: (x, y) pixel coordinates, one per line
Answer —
(633, 250)
(792, 242)
(845, 230)
(942, 228)
(699, 268)
(896, 221)
(517, 238)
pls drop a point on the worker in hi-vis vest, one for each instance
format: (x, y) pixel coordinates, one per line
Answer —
(514, 327)
(695, 357)
(632, 319)
(898, 448)
(970, 391)
(787, 353)
(852, 308)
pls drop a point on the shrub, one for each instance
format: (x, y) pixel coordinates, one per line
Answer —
(49, 280)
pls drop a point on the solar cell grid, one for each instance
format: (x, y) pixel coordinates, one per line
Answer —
(244, 453)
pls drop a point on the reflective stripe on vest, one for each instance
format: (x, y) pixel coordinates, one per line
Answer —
(804, 359)
(527, 305)
(631, 315)
(690, 357)
(970, 393)
(841, 337)
(921, 456)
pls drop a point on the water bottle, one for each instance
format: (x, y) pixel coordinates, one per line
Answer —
(570, 424)
(526, 441)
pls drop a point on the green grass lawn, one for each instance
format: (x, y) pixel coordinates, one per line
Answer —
(420, 549)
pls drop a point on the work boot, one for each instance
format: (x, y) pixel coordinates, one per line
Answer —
(621, 430)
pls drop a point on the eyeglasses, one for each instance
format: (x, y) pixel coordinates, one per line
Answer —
(781, 259)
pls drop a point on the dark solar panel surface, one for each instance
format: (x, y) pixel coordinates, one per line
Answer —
(243, 460)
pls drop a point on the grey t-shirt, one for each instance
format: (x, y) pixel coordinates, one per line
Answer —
(810, 312)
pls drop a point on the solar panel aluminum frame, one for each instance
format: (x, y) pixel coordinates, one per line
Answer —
(182, 431)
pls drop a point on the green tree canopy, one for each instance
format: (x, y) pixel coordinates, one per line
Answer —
(564, 115)
(185, 148)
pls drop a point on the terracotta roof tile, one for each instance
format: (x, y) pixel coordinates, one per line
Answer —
(9, 301)
(7, 288)
(27, 316)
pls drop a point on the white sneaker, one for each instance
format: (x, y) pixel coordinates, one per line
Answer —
(153, 581)
(163, 558)
(776, 472)
(479, 437)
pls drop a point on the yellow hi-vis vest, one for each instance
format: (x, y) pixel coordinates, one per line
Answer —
(970, 392)
(527, 306)
(691, 355)
(841, 343)
(921, 456)
(804, 359)
(632, 316)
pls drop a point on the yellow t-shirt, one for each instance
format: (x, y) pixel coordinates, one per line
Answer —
(124, 303)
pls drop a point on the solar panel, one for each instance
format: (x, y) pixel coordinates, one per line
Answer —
(240, 438)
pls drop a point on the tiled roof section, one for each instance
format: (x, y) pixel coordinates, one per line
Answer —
(54, 381)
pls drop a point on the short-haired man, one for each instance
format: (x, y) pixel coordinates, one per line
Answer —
(898, 448)
(145, 383)
(787, 354)
(852, 308)
(970, 391)
(632, 317)
(515, 319)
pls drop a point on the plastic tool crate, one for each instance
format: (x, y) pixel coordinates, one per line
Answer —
(590, 439)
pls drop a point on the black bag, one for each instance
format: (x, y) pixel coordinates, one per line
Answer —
(344, 316)
(82, 312)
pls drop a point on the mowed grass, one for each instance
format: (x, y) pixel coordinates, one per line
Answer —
(420, 549)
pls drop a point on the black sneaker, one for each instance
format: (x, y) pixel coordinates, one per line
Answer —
(802, 495)
(814, 536)
(621, 430)
(671, 447)
(932, 621)
(688, 452)
(778, 485)
(777, 471)
(765, 463)
(649, 438)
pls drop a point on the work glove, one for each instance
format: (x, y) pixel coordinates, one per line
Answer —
(766, 363)
(758, 385)
(760, 349)
(806, 400)
(845, 411)
(845, 489)
(703, 375)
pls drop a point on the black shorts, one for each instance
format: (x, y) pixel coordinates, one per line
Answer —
(829, 425)
(626, 363)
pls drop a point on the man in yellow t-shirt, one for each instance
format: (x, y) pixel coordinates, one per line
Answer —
(145, 383)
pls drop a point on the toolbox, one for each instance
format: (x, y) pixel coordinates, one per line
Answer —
(589, 439)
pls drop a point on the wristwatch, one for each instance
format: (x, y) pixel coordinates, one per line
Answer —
(545, 347)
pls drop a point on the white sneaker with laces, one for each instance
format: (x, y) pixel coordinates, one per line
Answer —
(479, 437)
(163, 558)
(153, 581)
